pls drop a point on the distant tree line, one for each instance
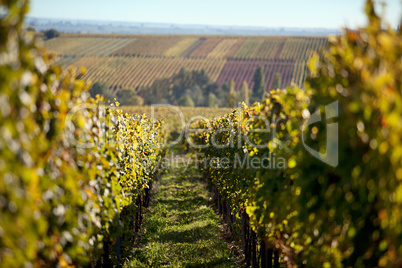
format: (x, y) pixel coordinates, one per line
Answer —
(191, 88)
(186, 88)
(124, 96)
(46, 34)
(51, 33)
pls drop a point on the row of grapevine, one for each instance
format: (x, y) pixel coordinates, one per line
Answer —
(73, 171)
(341, 207)
(243, 70)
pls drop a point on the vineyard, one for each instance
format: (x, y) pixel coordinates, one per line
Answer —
(243, 70)
(132, 62)
(305, 177)
(298, 195)
(124, 72)
(75, 172)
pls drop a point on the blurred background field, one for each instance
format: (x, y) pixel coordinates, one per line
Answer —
(136, 61)
(172, 117)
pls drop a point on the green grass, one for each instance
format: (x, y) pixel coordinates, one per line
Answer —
(181, 229)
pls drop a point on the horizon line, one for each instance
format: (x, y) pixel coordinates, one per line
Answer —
(191, 24)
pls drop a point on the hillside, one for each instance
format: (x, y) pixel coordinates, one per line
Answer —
(133, 61)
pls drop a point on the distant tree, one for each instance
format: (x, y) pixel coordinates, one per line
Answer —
(212, 100)
(136, 101)
(196, 95)
(128, 97)
(277, 83)
(163, 101)
(221, 95)
(202, 77)
(124, 95)
(52, 33)
(186, 101)
(244, 93)
(31, 29)
(194, 83)
(259, 84)
(101, 89)
(232, 95)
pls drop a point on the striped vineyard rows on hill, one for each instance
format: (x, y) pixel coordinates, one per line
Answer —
(243, 70)
(144, 64)
(222, 48)
(302, 48)
(108, 50)
(67, 45)
(86, 46)
(134, 72)
(299, 73)
(97, 47)
(148, 46)
(230, 53)
(182, 46)
(247, 49)
(176, 46)
(212, 67)
(89, 63)
(205, 48)
(190, 50)
(66, 60)
(270, 48)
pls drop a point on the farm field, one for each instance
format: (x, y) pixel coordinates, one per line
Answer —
(135, 61)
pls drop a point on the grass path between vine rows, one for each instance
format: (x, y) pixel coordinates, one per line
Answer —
(181, 229)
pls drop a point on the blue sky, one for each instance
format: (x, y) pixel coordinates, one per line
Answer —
(269, 13)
